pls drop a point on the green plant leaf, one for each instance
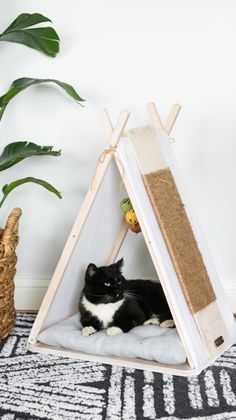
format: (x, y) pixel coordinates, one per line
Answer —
(19, 150)
(25, 20)
(43, 39)
(9, 187)
(24, 82)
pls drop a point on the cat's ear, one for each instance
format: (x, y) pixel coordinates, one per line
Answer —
(119, 264)
(91, 270)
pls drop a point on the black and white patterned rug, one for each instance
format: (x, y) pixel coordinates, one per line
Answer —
(34, 386)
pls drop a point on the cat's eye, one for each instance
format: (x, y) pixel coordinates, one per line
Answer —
(107, 284)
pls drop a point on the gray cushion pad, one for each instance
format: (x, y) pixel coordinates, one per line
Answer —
(147, 342)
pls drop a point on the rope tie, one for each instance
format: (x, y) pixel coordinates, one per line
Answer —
(111, 150)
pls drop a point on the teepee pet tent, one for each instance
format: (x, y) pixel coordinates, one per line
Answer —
(143, 160)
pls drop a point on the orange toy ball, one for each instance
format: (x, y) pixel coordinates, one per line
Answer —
(135, 228)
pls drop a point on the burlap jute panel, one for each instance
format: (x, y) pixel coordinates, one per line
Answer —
(180, 240)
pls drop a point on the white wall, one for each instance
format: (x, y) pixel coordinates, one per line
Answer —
(122, 54)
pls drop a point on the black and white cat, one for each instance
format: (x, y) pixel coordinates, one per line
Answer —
(109, 301)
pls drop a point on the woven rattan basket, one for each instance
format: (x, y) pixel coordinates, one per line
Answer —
(8, 241)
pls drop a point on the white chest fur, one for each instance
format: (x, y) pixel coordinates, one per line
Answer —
(103, 311)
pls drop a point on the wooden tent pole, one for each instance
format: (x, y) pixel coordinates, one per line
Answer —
(174, 112)
(154, 116)
(118, 242)
(152, 110)
(106, 121)
(108, 127)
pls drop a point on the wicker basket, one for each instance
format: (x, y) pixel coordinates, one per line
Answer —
(8, 241)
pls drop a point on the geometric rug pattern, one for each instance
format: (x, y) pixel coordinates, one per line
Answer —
(34, 387)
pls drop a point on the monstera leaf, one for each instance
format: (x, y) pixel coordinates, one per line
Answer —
(25, 82)
(43, 39)
(9, 187)
(19, 150)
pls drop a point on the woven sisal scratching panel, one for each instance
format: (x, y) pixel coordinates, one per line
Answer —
(180, 240)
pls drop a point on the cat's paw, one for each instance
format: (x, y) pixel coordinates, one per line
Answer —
(114, 331)
(88, 331)
(169, 323)
(152, 321)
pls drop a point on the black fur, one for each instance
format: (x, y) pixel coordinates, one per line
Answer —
(142, 298)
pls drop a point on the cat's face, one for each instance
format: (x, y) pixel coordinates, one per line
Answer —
(104, 284)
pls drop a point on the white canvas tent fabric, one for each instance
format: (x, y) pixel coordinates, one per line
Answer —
(94, 235)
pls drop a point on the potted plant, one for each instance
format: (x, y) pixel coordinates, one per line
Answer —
(45, 40)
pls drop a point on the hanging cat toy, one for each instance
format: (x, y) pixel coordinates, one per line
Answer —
(130, 216)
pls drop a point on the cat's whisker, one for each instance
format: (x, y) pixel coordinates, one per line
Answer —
(100, 301)
(130, 296)
(129, 293)
(104, 299)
